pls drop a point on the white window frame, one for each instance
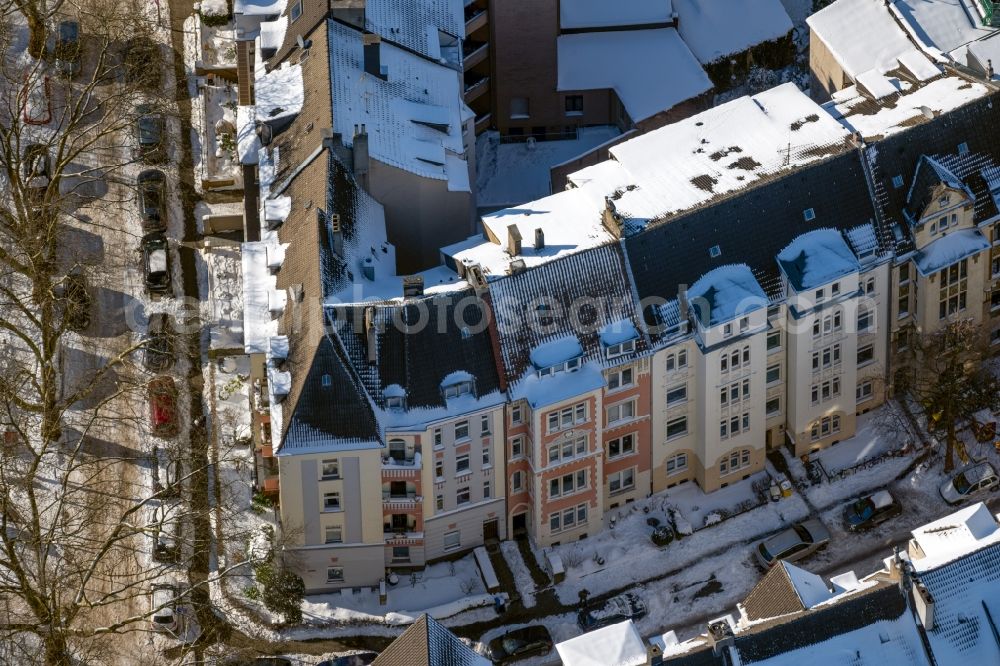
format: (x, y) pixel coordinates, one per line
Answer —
(332, 501)
(295, 11)
(466, 492)
(566, 450)
(462, 431)
(621, 378)
(680, 434)
(459, 460)
(620, 349)
(517, 481)
(677, 463)
(485, 425)
(517, 447)
(624, 479)
(333, 529)
(622, 411)
(330, 469)
(623, 450)
(516, 415)
(455, 537)
(332, 575)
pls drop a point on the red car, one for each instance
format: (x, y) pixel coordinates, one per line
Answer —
(163, 406)
(36, 100)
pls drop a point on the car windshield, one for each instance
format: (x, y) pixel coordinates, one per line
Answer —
(961, 484)
(158, 261)
(802, 533)
(763, 552)
(512, 644)
(863, 509)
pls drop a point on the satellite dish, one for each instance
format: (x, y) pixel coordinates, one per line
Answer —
(301, 42)
(927, 112)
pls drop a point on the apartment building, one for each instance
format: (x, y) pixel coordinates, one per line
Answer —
(382, 80)
(578, 385)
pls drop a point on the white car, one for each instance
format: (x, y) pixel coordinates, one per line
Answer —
(163, 604)
(976, 479)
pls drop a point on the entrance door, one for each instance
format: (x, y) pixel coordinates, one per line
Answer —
(519, 524)
(491, 530)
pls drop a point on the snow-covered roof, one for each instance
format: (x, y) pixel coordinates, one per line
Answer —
(725, 293)
(811, 589)
(258, 324)
(259, 7)
(618, 644)
(918, 65)
(915, 105)
(279, 93)
(575, 14)
(618, 332)
(861, 35)
(650, 70)
(949, 249)
(414, 118)
(883, 643)
(551, 389)
(508, 174)
(941, 24)
(956, 535)
(415, 23)
(713, 29)
(815, 258)
(726, 148)
(272, 35)
(980, 54)
(556, 351)
(247, 141)
(570, 221)
(879, 85)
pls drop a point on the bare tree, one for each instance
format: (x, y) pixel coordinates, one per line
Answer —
(77, 527)
(946, 375)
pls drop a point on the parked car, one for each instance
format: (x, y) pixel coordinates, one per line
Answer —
(149, 127)
(152, 187)
(76, 302)
(163, 406)
(623, 607)
(165, 527)
(36, 166)
(793, 544)
(67, 50)
(158, 351)
(163, 604)
(156, 260)
(871, 511)
(976, 479)
(519, 643)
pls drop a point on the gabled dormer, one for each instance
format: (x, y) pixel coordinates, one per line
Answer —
(726, 303)
(938, 202)
(560, 355)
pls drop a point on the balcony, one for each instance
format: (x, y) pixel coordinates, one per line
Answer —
(474, 53)
(270, 486)
(401, 502)
(483, 122)
(475, 18)
(475, 87)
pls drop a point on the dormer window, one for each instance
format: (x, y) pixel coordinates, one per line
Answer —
(744, 324)
(620, 349)
(727, 330)
(819, 295)
(457, 389)
(943, 223)
(395, 397)
(944, 200)
(560, 355)
(835, 289)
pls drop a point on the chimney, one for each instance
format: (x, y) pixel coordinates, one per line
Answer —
(373, 56)
(336, 233)
(475, 276)
(413, 286)
(682, 302)
(368, 268)
(654, 655)
(923, 603)
(370, 335)
(517, 266)
(360, 150)
(513, 240)
(539, 239)
(720, 635)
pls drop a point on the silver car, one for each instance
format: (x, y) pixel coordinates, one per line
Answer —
(797, 542)
(976, 479)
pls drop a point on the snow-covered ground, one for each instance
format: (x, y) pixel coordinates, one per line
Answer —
(443, 589)
(509, 174)
(522, 577)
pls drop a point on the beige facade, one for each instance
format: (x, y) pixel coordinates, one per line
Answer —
(331, 517)
(827, 76)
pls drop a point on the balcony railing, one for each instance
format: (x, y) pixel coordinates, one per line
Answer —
(475, 18)
(474, 54)
(475, 89)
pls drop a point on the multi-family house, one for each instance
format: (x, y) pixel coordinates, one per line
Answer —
(575, 361)
(387, 92)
